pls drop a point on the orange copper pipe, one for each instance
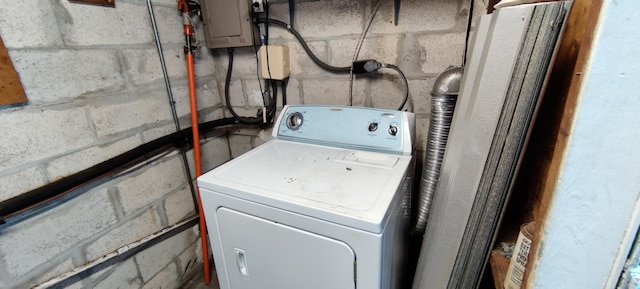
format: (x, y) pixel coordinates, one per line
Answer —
(188, 32)
(198, 165)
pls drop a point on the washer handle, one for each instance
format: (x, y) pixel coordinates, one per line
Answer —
(242, 262)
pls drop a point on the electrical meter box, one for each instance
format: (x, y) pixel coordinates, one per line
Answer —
(227, 23)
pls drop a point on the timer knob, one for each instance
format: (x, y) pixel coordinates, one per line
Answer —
(393, 130)
(373, 126)
(294, 121)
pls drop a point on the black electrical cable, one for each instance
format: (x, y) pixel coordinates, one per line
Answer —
(335, 69)
(467, 34)
(404, 79)
(284, 84)
(61, 187)
(227, 83)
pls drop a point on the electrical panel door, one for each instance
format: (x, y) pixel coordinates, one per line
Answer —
(259, 253)
(227, 23)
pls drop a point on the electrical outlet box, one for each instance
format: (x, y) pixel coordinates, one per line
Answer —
(274, 61)
(258, 6)
(227, 23)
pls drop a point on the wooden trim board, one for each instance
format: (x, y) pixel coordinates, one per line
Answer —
(11, 90)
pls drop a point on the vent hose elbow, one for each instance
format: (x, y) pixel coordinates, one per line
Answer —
(443, 101)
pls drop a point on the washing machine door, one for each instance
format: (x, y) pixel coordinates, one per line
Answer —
(259, 253)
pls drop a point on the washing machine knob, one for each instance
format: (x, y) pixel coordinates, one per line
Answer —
(294, 121)
(393, 130)
(373, 126)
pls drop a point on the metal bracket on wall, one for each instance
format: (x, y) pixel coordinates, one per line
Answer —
(396, 11)
(292, 12)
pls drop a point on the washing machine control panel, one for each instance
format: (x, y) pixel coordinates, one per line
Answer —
(362, 128)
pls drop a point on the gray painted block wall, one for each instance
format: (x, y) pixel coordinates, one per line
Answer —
(96, 89)
(95, 86)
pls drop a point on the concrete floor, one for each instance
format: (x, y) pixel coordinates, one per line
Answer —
(197, 282)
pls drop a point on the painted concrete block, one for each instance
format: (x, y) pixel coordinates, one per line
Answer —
(326, 91)
(420, 95)
(155, 133)
(121, 116)
(293, 93)
(130, 231)
(422, 131)
(56, 270)
(383, 49)
(239, 144)
(206, 95)
(37, 30)
(203, 62)
(170, 3)
(179, 205)
(25, 245)
(50, 76)
(156, 181)
(416, 16)
(167, 278)
(387, 93)
(439, 51)
(301, 64)
(190, 260)
(214, 153)
(169, 22)
(23, 181)
(213, 114)
(154, 259)
(32, 135)
(122, 275)
(86, 158)
(254, 91)
(236, 94)
(244, 62)
(127, 23)
(328, 18)
(143, 65)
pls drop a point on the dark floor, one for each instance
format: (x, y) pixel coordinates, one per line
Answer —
(197, 282)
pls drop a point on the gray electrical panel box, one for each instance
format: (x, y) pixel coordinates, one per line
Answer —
(227, 23)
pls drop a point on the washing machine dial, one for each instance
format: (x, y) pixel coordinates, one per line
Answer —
(373, 126)
(393, 130)
(294, 121)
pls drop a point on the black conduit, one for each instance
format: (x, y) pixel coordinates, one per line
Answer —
(327, 67)
(59, 188)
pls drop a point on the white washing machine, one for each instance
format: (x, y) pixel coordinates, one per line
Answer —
(325, 204)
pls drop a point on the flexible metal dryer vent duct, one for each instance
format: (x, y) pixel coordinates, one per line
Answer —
(443, 102)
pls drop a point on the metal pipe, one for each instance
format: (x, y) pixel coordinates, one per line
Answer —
(443, 101)
(172, 103)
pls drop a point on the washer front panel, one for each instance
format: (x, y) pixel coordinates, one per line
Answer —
(260, 253)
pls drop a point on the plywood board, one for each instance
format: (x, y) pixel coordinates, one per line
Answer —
(11, 90)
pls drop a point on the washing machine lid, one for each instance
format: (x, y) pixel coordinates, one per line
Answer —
(349, 187)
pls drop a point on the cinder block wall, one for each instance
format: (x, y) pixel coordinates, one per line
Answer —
(96, 89)
(429, 38)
